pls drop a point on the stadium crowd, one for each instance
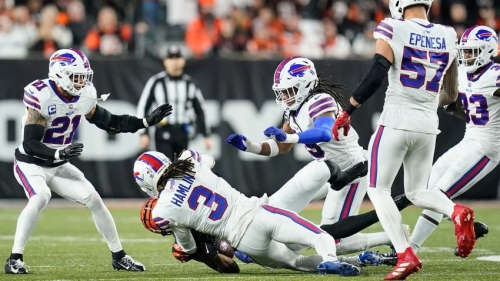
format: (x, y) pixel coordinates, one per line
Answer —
(258, 29)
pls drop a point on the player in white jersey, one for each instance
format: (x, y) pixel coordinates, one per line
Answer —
(478, 153)
(54, 109)
(191, 196)
(417, 54)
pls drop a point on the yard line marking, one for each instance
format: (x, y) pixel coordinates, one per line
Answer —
(84, 239)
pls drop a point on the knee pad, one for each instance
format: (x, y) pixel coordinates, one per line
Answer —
(316, 171)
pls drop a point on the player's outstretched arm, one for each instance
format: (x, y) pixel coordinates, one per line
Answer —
(449, 92)
(268, 148)
(114, 124)
(34, 129)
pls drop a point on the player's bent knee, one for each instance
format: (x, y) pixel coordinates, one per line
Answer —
(317, 171)
(93, 200)
(40, 200)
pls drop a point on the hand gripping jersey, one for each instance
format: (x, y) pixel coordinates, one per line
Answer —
(345, 152)
(62, 116)
(423, 52)
(205, 203)
(482, 109)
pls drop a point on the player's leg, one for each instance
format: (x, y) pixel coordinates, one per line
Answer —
(387, 149)
(32, 178)
(418, 164)
(343, 203)
(163, 142)
(70, 183)
(454, 173)
(300, 190)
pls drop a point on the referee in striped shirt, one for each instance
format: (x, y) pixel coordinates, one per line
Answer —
(179, 90)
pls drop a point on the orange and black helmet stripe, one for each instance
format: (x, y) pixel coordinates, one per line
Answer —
(146, 215)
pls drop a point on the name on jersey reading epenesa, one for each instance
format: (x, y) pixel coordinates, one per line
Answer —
(429, 42)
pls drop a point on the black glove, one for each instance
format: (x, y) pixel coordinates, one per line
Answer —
(161, 112)
(357, 171)
(70, 151)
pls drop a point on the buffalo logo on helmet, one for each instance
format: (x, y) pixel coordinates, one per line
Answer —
(484, 35)
(298, 70)
(63, 59)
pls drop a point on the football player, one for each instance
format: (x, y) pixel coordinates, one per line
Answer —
(478, 153)
(310, 107)
(54, 109)
(215, 253)
(417, 54)
(191, 196)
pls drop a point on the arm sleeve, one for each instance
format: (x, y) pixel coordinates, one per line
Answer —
(199, 109)
(185, 239)
(322, 131)
(372, 79)
(146, 100)
(32, 144)
(114, 124)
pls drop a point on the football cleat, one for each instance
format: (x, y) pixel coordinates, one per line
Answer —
(480, 229)
(127, 263)
(243, 257)
(15, 267)
(463, 218)
(408, 263)
(368, 258)
(337, 267)
(389, 258)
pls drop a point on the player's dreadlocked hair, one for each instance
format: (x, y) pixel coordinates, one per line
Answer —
(176, 170)
(329, 88)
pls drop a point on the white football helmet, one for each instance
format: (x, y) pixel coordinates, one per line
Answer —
(397, 7)
(482, 43)
(148, 169)
(294, 77)
(70, 70)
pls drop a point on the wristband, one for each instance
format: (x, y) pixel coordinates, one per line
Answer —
(145, 122)
(273, 146)
(255, 148)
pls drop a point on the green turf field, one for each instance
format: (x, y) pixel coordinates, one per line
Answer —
(66, 246)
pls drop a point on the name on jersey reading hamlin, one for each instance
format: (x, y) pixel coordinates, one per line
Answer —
(429, 42)
(182, 190)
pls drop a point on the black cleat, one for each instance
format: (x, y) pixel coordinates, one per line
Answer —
(15, 267)
(390, 259)
(127, 263)
(402, 201)
(480, 229)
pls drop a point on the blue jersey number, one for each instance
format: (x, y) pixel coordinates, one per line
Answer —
(315, 150)
(61, 125)
(210, 199)
(481, 115)
(408, 64)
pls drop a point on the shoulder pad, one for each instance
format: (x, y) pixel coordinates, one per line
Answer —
(384, 29)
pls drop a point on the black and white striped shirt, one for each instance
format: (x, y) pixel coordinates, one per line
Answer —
(180, 92)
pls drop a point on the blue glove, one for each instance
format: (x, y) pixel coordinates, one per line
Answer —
(275, 133)
(237, 141)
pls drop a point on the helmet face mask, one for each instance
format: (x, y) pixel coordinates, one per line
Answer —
(70, 70)
(397, 7)
(293, 80)
(477, 47)
(148, 169)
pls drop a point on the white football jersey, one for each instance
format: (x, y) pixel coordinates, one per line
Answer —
(423, 52)
(482, 109)
(346, 152)
(205, 203)
(62, 116)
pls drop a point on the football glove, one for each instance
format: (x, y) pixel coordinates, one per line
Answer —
(161, 112)
(70, 151)
(179, 254)
(275, 133)
(242, 143)
(342, 121)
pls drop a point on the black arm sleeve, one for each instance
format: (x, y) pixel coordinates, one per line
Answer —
(372, 79)
(32, 144)
(114, 124)
(200, 114)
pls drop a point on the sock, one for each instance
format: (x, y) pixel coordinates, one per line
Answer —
(351, 225)
(362, 241)
(27, 221)
(118, 255)
(389, 217)
(427, 222)
(434, 200)
(104, 222)
(14, 256)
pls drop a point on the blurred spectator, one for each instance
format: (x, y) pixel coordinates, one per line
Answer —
(150, 10)
(109, 37)
(335, 45)
(363, 45)
(353, 23)
(52, 35)
(488, 18)
(181, 13)
(204, 33)
(6, 8)
(35, 8)
(263, 45)
(13, 42)
(458, 17)
(79, 24)
(23, 22)
(235, 33)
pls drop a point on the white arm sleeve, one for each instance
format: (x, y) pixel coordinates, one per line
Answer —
(185, 239)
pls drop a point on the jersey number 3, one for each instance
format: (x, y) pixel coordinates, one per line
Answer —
(409, 64)
(210, 199)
